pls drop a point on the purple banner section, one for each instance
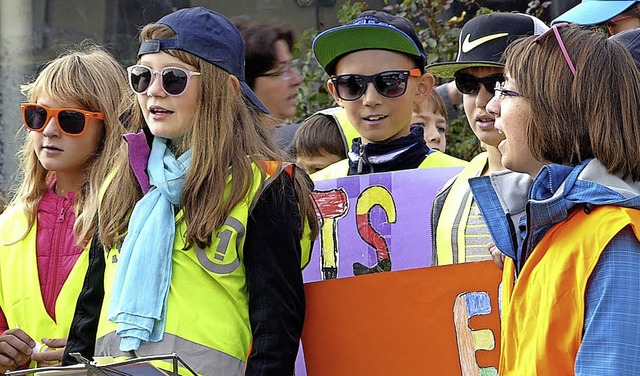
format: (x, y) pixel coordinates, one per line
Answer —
(374, 223)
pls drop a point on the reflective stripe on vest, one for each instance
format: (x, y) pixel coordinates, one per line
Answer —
(20, 292)
(202, 359)
(207, 317)
(543, 316)
(455, 212)
(340, 169)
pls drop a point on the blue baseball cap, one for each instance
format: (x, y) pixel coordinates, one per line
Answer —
(209, 36)
(593, 12)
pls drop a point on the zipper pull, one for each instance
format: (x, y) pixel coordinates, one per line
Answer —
(361, 158)
(61, 215)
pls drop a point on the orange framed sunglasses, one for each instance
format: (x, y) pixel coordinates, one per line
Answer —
(71, 121)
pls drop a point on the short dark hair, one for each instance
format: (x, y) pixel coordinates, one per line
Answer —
(318, 134)
(592, 115)
(260, 38)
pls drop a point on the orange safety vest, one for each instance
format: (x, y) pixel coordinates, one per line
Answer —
(543, 311)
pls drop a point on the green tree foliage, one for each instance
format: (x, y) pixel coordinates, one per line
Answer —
(437, 27)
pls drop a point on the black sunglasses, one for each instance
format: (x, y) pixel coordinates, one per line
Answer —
(174, 80)
(390, 84)
(470, 84)
(70, 121)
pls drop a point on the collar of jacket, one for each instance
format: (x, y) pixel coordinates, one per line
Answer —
(400, 154)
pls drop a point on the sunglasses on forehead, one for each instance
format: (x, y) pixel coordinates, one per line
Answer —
(390, 84)
(554, 30)
(174, 80)
(470, 84)
(70, 121)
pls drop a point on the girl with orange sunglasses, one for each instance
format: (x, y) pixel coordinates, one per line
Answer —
(71, 116)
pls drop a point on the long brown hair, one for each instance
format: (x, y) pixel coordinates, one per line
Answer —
(592, 115)
(89, 76)
(225, 137)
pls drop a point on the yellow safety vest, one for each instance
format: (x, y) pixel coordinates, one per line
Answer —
(207, 318)
(455, 213)
(347, 131)
(20, 292)
(543, 311)
(340, 169)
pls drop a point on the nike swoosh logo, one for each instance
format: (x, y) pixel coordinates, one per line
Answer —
(468, 45)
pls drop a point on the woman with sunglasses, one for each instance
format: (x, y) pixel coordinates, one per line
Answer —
(460, 232)
(71, 116)
(207, 228)
(571, 290)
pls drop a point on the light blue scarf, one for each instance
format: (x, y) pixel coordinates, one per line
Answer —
(143, 275)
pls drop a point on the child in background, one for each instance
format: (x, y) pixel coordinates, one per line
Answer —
(318, 143)
(431, 115)
(224, 286)
(376, 69)
(72, 118)
(460, 232)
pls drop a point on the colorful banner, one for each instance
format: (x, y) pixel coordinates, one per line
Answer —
(373, 223)
(428, 321)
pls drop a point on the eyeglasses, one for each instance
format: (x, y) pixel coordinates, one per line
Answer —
(555, 28)
(286, 73)
(390, 84)
(470, 84)
(500, 92)
(611, 24)
(70, 121)
(174, 80)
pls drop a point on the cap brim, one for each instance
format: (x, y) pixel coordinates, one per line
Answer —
(253, 97)
(593, 12)
(448, 70)
(338, 41)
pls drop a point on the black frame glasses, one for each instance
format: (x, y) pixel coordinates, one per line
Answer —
(70, 121)
(174, 80)
(390, 84)
(470, 84)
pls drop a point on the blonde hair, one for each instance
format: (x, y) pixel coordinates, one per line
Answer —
(89, 76)
(225, 137)
(435, 101)
(594, 114)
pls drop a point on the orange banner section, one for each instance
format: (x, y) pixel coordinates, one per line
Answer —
(440, 320)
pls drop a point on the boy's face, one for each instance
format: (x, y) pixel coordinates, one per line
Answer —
(475, 107)
(434, 125)
(313, 163)
(379, 119)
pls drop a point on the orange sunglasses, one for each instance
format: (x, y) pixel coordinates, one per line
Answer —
(71, 121)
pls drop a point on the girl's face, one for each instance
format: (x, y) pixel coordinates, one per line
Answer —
(168, 116)
(64, 154)
(512, 115)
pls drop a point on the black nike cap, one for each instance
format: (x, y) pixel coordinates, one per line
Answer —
(484, 38)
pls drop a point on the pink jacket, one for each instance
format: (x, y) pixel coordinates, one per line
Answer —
(56, 247)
